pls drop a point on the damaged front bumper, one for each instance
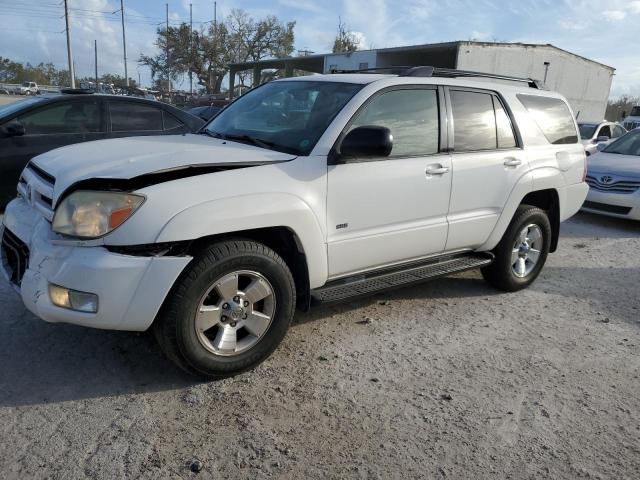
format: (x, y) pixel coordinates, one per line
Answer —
(130, 288)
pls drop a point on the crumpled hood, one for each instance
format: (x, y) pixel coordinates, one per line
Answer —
(126, 158)
(614, 164)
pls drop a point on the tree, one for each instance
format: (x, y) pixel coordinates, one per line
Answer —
(345, 40)
(209, 51)
(620, 108)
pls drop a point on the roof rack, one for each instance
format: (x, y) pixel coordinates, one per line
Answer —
(76, 91)
(428, 71)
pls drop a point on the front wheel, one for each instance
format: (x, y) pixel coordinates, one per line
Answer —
(228, 311)
(522, 252)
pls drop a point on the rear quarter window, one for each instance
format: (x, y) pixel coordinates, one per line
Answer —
(553, 117)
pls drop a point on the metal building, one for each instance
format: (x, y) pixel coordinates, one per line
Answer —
(585, 83)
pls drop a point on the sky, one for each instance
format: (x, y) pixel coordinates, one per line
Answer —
(602, 30)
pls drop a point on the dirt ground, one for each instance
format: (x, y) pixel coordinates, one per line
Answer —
(449, 379)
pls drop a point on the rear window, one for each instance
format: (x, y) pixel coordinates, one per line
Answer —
(134, 117)
(553, 117)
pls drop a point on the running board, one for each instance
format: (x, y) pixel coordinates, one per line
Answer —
(366, 283)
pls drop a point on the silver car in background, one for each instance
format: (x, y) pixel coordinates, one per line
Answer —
(613, 176)
(594, 133)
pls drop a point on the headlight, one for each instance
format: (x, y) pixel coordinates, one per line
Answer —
(88, 214)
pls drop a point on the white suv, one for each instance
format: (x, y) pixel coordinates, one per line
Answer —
(310, 189)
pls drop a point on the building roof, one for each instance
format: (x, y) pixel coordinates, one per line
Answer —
(318, 59)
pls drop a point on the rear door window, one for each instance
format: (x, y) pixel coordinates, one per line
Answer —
(480, 122)
(618, 131)
(553, 117)
(134, 117)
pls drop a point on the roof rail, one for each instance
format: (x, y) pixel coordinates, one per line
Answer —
(395, 70)
(428, 71)
(453, 73)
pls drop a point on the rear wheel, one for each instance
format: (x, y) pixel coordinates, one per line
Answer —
(522, 252)
(229, 310)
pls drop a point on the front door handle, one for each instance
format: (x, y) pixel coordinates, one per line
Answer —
(436, 170)
(512, 162)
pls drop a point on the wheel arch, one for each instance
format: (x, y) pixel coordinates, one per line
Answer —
(266, 217)
(549, 201)
(545, 198)
(282, 240)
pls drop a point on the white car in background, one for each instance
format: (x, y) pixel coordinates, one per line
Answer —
(614, 178)
(28, 88)
(593, 133)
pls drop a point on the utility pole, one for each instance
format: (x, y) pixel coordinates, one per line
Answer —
(190, 47)
(69, 52)
(215, 42)
(95, 51)
(167, 48)
(124, 44)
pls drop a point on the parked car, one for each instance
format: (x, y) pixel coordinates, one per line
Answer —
(633, 120)
(34, 126)
(593, 133)
(28, 88)
(614, 179)
(205, 113)
(304, 190)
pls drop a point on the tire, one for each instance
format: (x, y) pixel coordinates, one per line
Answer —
(514, 267)
(212, 327)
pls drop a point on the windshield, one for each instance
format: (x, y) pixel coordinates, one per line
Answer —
(628, 144)
(635, 112)
(25, 84)
(288, 116)
(587, 130)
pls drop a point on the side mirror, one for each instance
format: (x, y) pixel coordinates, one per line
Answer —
(367, 142)
(603, 138)
(14, 129)
(601, 146)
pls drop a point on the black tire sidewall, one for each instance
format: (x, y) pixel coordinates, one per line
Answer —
(502, 267)
(190, 347)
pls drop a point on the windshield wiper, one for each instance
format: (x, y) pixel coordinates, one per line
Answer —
(211, 134)
(246, 138)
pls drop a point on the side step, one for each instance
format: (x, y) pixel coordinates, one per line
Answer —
(366, 283)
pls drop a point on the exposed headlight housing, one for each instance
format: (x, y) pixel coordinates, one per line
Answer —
(88, 214)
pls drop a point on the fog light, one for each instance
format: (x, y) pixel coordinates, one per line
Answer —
(73, 299)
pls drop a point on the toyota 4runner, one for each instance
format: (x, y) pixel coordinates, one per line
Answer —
(304, 190)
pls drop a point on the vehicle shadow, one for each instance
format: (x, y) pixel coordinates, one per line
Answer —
(462, 285)
(44, 363)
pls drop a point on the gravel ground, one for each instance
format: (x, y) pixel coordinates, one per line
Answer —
(447, 379)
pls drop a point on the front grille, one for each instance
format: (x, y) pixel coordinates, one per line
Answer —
(15, 256)
(613, 186)
(603, 207)
(36, 187)
(41, 173)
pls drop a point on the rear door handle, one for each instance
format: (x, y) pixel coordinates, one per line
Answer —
(512, 162)
(436, 170)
